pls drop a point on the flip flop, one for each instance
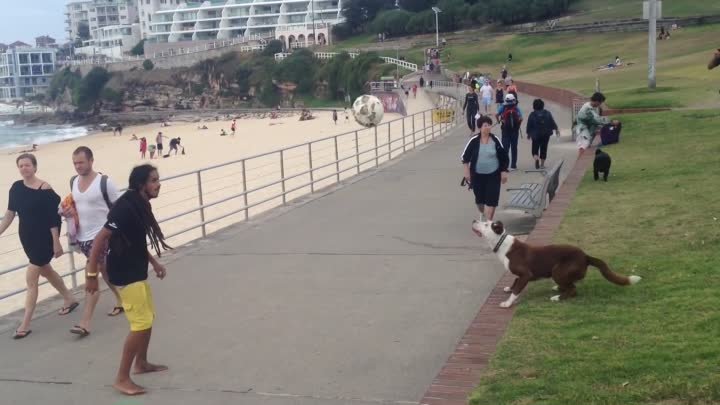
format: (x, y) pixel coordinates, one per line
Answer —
(79, 330)
(116, 311)
(67, 310)
(19, 334)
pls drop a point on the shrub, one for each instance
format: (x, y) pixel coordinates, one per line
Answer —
(148, 65)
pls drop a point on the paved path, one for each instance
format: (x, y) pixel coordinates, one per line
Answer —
(355, 296)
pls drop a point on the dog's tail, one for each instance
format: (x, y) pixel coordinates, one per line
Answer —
(610, 275)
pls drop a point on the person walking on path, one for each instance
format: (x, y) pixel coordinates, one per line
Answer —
(499, 95)
(93, 194)
(130, 223)
(36, 203)
(334, 116)
(510, 116)
(487, 92)
(485, 164)
(471, 107)
(540, 127)
(588, 121)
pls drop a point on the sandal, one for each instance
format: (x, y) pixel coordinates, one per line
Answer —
(116, 311)
(19, 334)
(66, 310)
(79, 330)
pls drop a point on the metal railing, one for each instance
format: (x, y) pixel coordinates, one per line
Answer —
(257, 183)
(329, 55)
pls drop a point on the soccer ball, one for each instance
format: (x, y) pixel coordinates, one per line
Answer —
(368, 110)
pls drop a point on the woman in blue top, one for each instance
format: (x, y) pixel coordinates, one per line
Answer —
(485, 163)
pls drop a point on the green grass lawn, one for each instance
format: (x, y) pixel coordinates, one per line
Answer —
(593, 10)
(652, 343)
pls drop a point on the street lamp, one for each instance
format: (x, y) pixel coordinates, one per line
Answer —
(437, 29)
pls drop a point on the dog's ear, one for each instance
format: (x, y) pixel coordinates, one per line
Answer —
(498, 227)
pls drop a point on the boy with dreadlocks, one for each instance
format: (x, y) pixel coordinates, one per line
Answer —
(130, 222)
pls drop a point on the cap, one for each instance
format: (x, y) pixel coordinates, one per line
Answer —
(510, 97)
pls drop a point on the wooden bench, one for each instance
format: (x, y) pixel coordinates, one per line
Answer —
(534, 197)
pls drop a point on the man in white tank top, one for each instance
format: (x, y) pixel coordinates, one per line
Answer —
(93, 194)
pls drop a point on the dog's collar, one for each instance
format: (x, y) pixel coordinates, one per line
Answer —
(500, 242)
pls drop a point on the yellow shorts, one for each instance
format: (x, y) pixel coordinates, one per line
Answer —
(137, 301)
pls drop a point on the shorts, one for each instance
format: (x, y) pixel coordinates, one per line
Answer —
(137, 301)
(583, 137)
(486, 188)
(487, 101)
(86, 248)
(498, 106)
(159, 147)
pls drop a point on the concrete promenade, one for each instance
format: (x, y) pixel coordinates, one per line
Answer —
(355, 295)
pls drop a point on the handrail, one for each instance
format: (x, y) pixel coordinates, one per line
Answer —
(361, 158)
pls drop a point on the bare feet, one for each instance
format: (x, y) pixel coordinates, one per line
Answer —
(148, 368)
(128, 387)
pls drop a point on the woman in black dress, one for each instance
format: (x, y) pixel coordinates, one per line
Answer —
(36, 203)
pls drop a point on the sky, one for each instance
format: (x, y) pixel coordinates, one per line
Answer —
(23, 20)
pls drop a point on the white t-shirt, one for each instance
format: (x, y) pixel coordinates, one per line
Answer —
(487, 91)
(91, 207)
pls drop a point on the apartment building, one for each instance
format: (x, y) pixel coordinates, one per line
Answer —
(25, 71)
(293, 21)
(96, 14)
(146, 9)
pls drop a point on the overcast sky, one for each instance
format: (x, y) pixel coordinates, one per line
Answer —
(24, 20)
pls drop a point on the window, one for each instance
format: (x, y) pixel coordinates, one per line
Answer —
(122, 17)
(26, 80)
(34, 80)
(35, 58)
(93, 19)
(24, 58)
(47, 58)
(37, 70)
(48, 69)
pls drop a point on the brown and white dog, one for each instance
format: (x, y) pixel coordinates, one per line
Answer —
(565, 264)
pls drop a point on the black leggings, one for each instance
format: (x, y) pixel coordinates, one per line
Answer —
(471, 121)
(540, 146)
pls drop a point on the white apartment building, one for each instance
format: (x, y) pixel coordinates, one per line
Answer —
(97, 14)
(288, 20)
(146, 9)
(25, 71)
(113, 41)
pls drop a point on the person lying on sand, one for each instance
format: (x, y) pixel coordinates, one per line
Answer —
(202, 127)
(133, 137)
(223, 133)
(33, 149)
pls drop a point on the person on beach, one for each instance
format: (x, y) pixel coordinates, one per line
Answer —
(335, 116)
(174, 144)
(130, 224)
(93, 194)
(159, 143)
(117, 130)
(36, 203)
(485, 163)
(222, 132)
(347, 115)
(143, 147)
(588, 121)
(540, 127)
(151, 149)
(233, 126)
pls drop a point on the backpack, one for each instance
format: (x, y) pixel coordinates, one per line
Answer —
(543, 123)
(103, 188)
(510, 119)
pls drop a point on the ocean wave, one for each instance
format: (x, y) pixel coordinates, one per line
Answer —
(7, 123)
(11, 137)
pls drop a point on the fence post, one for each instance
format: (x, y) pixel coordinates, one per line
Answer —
(357, 152)
(389, 143)
(337, 160)
(310, 165)
(424, 128)
(376, 148)
(200, 199)
(282, 174)
(413, 130)
(73, 277)
(403, 134)
(245, 196)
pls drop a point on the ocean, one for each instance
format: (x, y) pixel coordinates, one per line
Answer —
(13, 136)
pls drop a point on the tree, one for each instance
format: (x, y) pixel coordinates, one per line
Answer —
(273, 47)
(416, 5)
(138, 49)
(148, 64)
(87, 93)
(453, 13)
(299, 68)
(358, 13)
(63, 79)
(83, 31)
(392, 22)
(421, 23)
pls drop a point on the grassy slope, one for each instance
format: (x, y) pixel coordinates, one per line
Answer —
(658, 217)
(568, 60)
(593, 10)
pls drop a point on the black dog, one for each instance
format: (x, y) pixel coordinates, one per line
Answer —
(601, 164)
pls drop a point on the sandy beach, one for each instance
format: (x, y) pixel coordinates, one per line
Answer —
(116, 155)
